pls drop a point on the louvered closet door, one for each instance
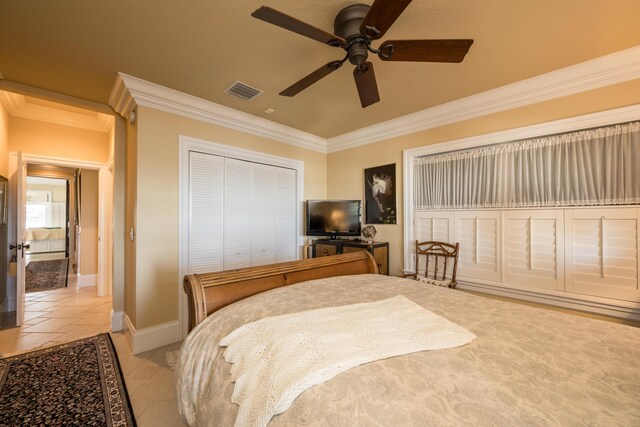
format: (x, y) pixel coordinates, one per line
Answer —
(206, 188)
(285, 215)
(437, 226)
(263, 214)
(237, 213)
(478, 233)
(602, 252)
(533, 246)
(432, 226)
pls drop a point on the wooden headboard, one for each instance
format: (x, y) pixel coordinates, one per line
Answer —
(209, 292)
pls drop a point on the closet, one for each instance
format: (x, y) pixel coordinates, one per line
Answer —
(582, 251)
(553, 219)
(242, 213)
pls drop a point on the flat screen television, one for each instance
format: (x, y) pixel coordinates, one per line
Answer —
(333, 218)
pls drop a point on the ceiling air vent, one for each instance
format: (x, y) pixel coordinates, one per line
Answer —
(242, 91)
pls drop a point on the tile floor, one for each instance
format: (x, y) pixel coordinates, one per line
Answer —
(62, 315)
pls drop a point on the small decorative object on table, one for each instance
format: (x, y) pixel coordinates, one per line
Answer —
(369, 232)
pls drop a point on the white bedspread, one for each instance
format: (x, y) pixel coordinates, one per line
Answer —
(276, 358)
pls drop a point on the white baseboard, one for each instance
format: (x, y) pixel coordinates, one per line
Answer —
(595, 305)
(117, 320)
(84, 280)
(146, 339)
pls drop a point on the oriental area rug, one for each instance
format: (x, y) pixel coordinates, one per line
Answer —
(74, 384)
(46, 275)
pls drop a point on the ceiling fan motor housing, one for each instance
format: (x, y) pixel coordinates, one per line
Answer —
(347, 26)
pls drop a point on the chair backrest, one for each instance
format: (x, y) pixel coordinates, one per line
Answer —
(441, 261)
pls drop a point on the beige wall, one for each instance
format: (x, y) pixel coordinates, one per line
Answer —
(157, 280)
(58, 192)
(118, 209)
(89, 222)
(152, 167)
(4, 142)
(131, 148)
(345, 169)
(52, 140)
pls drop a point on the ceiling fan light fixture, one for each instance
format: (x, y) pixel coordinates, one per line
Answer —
(355, 28)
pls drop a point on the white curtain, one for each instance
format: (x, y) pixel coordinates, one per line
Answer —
(585, 168)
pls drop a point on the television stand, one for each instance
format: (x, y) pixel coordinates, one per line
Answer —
(379, 250)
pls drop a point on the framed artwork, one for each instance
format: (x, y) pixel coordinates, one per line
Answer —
(380, 195)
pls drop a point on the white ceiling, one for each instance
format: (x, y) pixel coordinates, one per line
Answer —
(77, 47)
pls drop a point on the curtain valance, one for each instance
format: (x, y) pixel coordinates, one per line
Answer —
(584, 168)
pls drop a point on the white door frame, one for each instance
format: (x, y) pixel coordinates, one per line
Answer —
(20, 185)
(17, 165)
(105, 229)
(187, 144)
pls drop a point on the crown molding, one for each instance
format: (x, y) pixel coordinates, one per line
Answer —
(604, 71)
(129, 91)
(121, 99)
(17, 106)
(587, 121)
(608, 70)
(8, 101)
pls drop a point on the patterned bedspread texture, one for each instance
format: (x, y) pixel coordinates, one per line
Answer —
(276, 358)
(529, 366)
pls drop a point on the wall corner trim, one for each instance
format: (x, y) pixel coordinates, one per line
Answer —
(117, 321)
(85, 280)
(121, 99)
(141, 340)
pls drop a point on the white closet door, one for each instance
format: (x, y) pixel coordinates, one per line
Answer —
(237, 213)
(533, 246)
(205, 205)
(285, 215)
(430, 226)
(602, 252)
(478, 233)
(263, 216)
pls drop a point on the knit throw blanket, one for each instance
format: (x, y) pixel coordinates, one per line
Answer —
(276, 358)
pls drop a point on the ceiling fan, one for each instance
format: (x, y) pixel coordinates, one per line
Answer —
(355, 28)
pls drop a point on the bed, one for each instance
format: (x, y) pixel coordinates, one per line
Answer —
(528, 366)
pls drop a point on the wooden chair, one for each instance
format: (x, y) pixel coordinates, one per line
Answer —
(441, 263)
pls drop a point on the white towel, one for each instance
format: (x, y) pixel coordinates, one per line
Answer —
(276, 358)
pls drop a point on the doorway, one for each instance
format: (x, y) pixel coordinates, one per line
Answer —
(72, 310)
(47, 233)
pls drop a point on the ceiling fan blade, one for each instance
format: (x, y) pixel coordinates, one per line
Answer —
(307, 81)
(381, 16)
(290, 23)
(366, 84)
(425, 50)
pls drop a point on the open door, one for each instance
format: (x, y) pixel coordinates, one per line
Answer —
(21, 197)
